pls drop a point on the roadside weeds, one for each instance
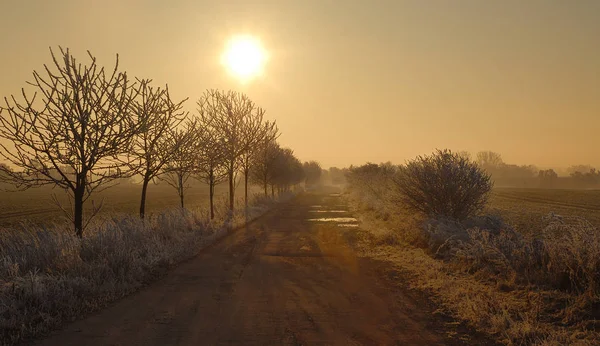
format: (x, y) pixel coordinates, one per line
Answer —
(48, 277)
(510, 313)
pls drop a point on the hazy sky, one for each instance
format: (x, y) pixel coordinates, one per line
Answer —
(355, 81)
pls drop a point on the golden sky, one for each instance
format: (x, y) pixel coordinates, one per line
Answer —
(355, 81)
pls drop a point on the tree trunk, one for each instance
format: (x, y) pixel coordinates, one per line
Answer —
(246, 186)
(231, 189)
(143, 201)
(211, 193)
(78, 205)
(265, 186)
(272, 191)
(181, 190)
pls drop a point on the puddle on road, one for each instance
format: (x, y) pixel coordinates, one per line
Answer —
(328, 211)
(318, 206)
(347, 225)
(334, 219)
(335, 195)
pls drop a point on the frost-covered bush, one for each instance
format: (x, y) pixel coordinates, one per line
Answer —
(444, 184)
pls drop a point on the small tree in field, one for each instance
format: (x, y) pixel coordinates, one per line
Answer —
(443, 184)
(71, 132)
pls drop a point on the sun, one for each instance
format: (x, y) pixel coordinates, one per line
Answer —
(244, 57)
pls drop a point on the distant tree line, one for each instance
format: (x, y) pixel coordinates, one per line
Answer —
(504, 174)
(373, 176)
(86, 127)
(509, 175)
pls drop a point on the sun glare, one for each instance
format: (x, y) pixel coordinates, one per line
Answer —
(244, 57)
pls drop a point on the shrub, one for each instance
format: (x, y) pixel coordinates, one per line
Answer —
(444, 184)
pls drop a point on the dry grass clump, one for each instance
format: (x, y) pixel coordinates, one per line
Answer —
(565, 255)
(48, 276)
(573, 254)
(563, 259)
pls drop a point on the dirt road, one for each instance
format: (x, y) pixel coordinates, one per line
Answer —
(283, 280)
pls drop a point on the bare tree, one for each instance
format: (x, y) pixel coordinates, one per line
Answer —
(154, 147)
(263, 172)
(547, 177)
(256, 134)
(489, 160)
(338, 176)
(81, 122)
(288, 171)
(230, 113)
(210, 167)
(312, 172)
(178, 170)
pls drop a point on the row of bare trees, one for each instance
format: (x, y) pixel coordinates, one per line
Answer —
(86, 127)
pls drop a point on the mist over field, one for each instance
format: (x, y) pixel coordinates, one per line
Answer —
(300, 172)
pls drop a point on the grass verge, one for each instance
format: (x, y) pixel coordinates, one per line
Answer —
(48, 277)
(493, 283)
